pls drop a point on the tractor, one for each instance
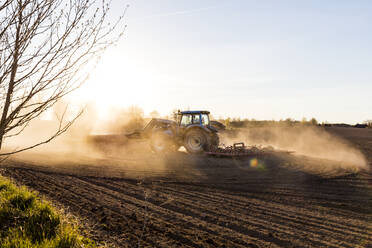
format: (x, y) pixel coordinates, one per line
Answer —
(192, 130)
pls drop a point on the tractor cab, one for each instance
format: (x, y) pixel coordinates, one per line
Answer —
(187, 118)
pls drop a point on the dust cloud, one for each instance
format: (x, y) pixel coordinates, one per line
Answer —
(93, 141)
(311, 141)
(90, 141)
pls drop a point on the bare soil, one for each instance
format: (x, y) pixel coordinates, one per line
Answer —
(143, 200)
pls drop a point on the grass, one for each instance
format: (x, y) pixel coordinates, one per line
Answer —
(26, 221)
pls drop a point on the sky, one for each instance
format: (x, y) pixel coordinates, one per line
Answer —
(264, 59)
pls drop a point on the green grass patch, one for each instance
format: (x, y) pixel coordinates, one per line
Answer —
(26, 221)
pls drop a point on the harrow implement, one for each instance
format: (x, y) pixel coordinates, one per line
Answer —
(241, 150)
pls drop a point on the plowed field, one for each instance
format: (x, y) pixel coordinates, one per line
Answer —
(197, 201)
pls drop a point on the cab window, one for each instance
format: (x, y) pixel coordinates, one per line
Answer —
(205, 119)
(196, 119)
(186, 120)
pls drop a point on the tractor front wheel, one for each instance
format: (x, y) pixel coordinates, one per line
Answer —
(162, 143)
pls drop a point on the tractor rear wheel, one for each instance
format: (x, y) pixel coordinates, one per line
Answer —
(215, 141)
(196, 141)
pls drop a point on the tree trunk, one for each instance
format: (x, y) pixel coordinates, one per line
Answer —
(4, 122)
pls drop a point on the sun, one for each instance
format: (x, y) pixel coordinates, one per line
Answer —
(117, 81)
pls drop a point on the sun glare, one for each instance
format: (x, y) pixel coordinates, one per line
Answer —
(118, 81)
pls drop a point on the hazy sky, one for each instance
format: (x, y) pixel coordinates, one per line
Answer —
(251, 59)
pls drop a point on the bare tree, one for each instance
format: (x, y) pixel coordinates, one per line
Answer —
(47, 48)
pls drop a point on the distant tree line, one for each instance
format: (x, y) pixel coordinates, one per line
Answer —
(246, 123)
(368, 123)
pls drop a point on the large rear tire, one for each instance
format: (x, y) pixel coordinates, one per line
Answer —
(196, 141)
(215, 142)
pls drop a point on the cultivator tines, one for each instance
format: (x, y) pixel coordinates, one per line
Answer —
(236, 150)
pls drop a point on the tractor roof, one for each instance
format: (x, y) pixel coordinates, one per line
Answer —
(195, 112)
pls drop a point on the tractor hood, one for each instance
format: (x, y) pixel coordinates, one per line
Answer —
(212, 128)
